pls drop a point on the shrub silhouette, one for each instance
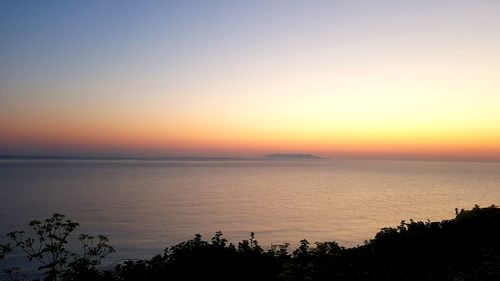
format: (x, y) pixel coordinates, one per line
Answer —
(464, 248)
(4, 249)
(48, 246)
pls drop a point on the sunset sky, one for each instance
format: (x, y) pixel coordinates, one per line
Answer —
(245, 78)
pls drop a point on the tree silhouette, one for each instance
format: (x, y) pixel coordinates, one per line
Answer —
(47, 245)
(464, 248)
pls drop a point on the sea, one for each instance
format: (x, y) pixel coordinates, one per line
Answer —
(145, 206)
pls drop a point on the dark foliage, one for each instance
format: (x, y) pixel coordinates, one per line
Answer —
(4, 249)
(47, 245)
(465, 248)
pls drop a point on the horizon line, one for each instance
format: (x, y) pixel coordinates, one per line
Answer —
(231, 158)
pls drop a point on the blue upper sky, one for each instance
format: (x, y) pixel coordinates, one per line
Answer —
(246, 77)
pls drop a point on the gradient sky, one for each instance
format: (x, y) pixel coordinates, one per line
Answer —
(233, 78)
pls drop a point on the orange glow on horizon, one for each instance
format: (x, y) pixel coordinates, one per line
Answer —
(205, 140)
(365, 82)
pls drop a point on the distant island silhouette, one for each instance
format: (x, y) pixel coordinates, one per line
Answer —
(291, 156)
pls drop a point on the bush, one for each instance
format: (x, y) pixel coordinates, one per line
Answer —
(464, 248)
(47, 245)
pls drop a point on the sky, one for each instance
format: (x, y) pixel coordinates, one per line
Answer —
(417, 79)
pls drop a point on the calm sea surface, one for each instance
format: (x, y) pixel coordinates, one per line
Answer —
(144, 206)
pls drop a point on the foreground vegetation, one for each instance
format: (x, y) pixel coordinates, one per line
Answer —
(464, 248)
